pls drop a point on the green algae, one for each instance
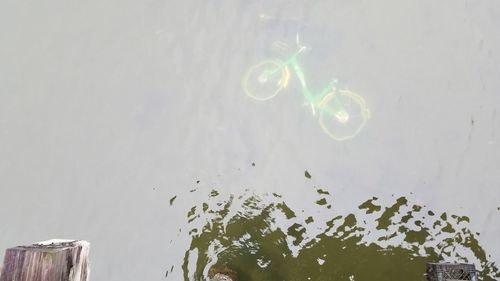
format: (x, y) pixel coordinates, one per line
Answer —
(369, 206)
(322, 191)
(268, 240)
(309, 220)
(385, 219)
(171, 201)
(322, 202)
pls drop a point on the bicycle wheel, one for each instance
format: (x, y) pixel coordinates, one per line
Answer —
(266, 79)
(343, 114)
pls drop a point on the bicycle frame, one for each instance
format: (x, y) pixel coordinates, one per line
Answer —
(313, 99)
(342, 113)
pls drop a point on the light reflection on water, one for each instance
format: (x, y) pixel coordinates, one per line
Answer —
(262, 238)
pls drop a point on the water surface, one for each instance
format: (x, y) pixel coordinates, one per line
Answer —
(108, 109)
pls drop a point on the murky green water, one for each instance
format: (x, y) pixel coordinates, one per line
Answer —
(260, 237)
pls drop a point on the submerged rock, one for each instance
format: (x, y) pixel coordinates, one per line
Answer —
(222, 273)
(221, 277)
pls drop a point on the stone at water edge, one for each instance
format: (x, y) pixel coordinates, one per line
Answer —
(54, 260)
(221, 277)
(222, 273)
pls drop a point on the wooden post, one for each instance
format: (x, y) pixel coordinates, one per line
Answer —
(52, 260)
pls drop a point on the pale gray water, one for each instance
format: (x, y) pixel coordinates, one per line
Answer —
(110, 108)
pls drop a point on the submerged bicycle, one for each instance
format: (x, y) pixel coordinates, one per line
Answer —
(342, 113)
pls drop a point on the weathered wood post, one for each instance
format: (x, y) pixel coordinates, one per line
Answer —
(52, 260)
